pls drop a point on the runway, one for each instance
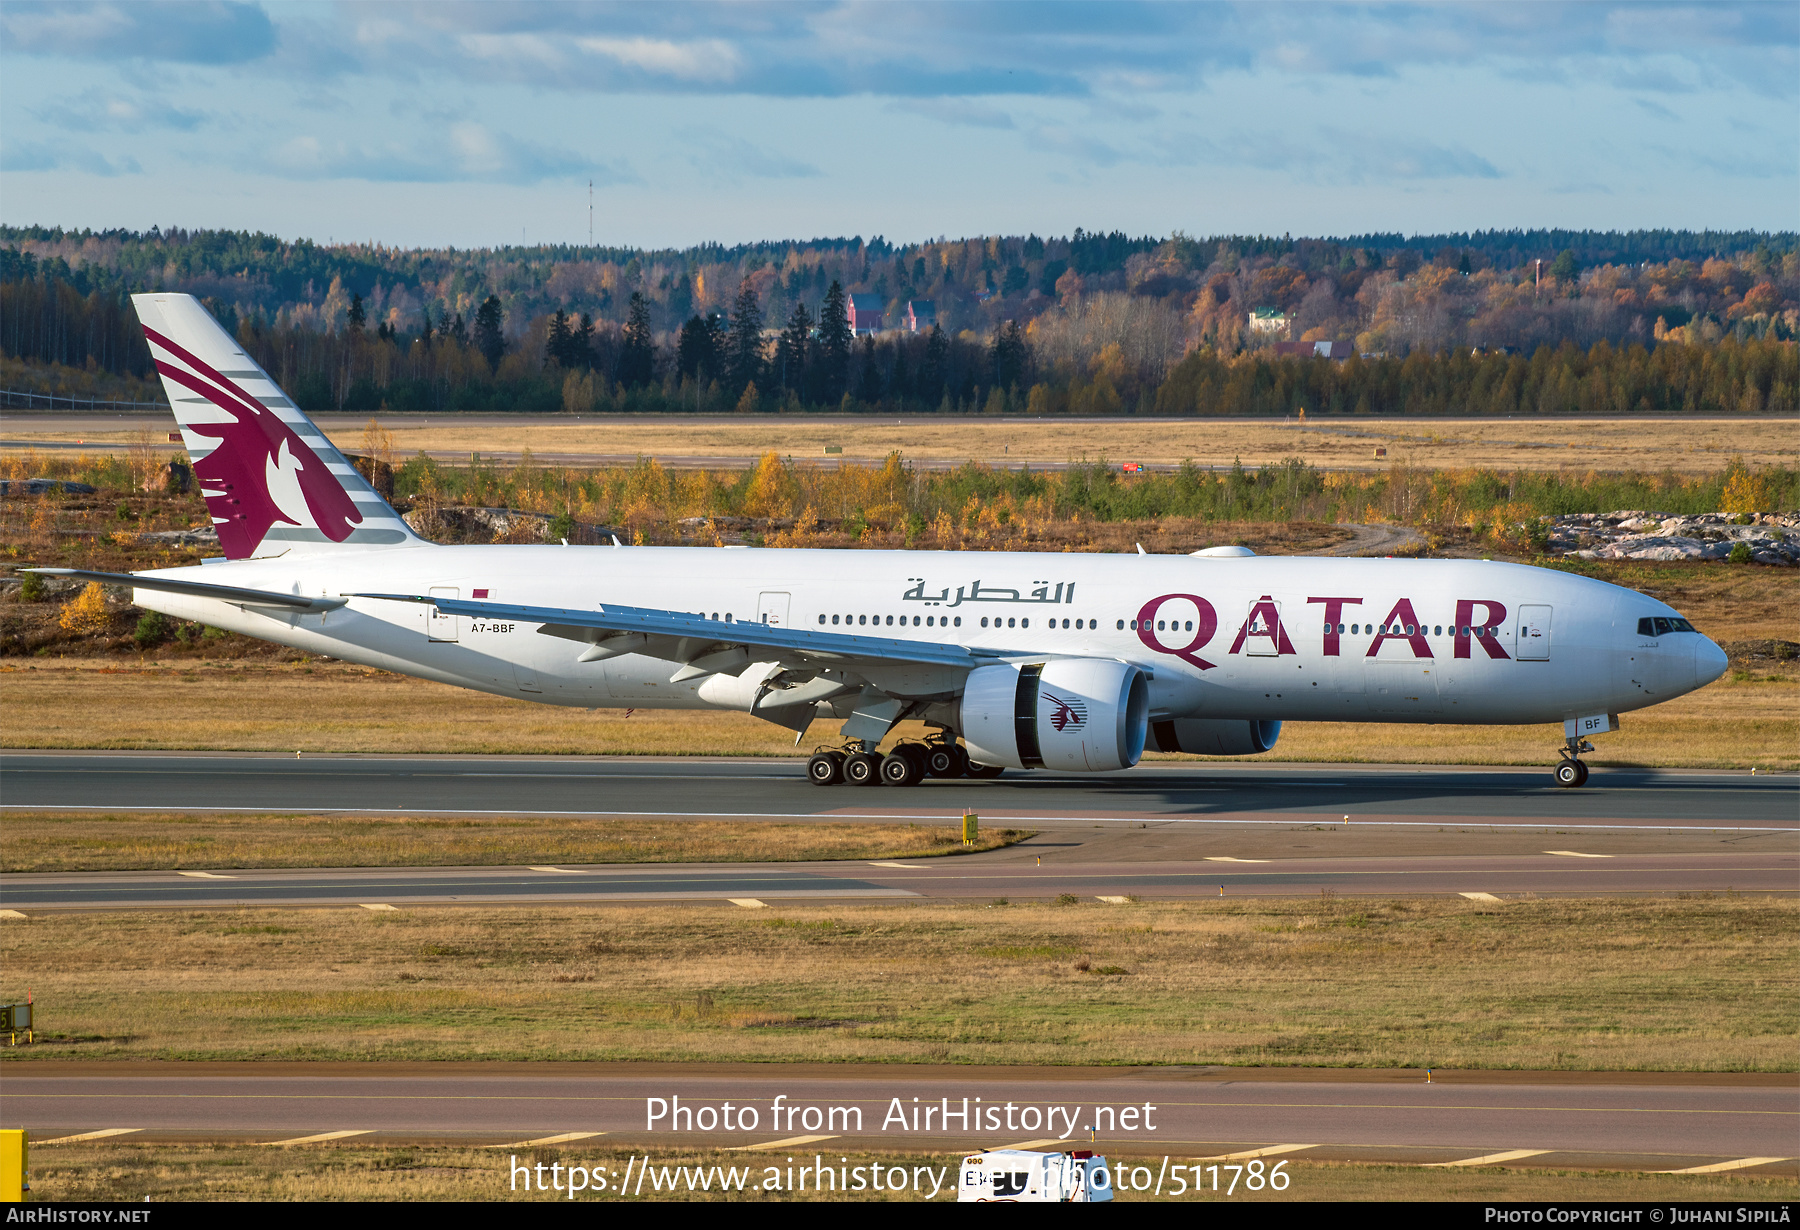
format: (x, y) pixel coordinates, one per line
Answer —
(1164, 791)
(1575, 1120)
(1159, 832)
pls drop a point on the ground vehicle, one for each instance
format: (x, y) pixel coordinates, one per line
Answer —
(1027, 1177)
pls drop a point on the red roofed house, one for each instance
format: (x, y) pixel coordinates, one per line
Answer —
(921, 314)
(865, 312)
(1310, 350)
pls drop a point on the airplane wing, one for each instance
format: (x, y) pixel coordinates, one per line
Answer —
(199, 589)
(705, 646)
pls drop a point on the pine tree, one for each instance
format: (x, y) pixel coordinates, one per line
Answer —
(556, 340)
(581, 343)
(489, 340)
(869, 384)
(697, 351)
(425, 331)
(1009, 355)
(459, 331)
(791, 351)
(832, 367)
(358, 315)
(744, 355)
(932, 370)
(637, 354)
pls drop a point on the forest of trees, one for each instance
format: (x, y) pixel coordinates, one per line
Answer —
(1491, 322)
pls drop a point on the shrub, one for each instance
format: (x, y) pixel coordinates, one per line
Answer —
(152, 630)
(1740, 553)
(87, 614)
(561, 526)
(31, 588)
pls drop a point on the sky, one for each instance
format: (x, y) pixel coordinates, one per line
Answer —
(474, 124)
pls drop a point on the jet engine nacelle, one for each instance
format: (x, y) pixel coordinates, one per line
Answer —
(1083, 715)
(1214, 736)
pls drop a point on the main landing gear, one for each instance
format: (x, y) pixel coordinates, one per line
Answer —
(859, 764)
(1572, 772)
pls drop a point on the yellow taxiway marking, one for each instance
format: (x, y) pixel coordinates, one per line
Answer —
(1716, 1167)
(1247, 1154)
(1479, 896)
(749, 903)
(561, 871)
(789, 1143)
(12, 914)
(1576, 854)
(307, 1140)
(204, 875)
(1226, 858)
(904, 866)
(1030, 1144)
(100, 1135)
(380, 906)
(1114, 900)
(1489, 1159)
(547, 1140)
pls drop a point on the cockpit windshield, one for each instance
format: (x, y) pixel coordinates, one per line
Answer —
(1657, 625)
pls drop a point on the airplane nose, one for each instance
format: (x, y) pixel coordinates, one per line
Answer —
(1709, 662)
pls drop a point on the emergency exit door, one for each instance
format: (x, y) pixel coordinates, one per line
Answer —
(1533, 644)
(772, 609)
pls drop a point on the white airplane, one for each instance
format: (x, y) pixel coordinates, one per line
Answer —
(1070, 662)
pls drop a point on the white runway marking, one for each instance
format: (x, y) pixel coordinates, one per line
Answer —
(380, 907)
(12, 914)
(1716, 1167)
(1576, 854)
(1479, 896)
(547, 1140)
(564, 871)
(1489, 1159)
(1226, 858)
(307, 1140)
(204, 875)
(903, 866)
(780, 1144)
(749, 903)
(1269, 1151)
(100, 1135)
(1030, 1144)
(1114, 900)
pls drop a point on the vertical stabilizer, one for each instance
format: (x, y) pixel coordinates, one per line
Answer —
(270, 478)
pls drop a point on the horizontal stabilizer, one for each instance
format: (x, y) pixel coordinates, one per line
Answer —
(198, 589)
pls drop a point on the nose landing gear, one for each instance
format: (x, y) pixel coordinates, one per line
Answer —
(1572, 773)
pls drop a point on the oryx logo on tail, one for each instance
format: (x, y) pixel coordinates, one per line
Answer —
(260, 472)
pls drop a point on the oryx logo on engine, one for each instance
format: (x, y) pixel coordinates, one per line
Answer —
(1066, 714)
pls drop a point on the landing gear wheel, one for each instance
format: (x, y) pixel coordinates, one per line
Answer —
(984, 771)
(901, 768)
(825, 769)
(946, 760)
(863, 769)
(1571, 773)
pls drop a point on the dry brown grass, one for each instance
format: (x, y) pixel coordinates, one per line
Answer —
(1688, 446)
(89, 841)
(1703, 984)
(123, 1172)
(332, 707)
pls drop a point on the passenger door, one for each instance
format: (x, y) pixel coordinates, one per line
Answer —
(1261, 638)
(1533, 644)
(439, 627)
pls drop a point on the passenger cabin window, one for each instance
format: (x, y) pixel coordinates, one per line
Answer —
(1659, 626)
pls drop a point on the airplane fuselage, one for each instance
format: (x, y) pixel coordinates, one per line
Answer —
(1258, 638)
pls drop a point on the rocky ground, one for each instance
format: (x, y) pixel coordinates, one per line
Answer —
(1766, 538)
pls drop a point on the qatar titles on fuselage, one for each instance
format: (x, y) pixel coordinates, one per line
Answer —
(1073, 661)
